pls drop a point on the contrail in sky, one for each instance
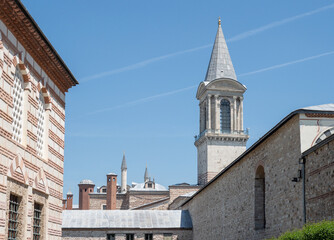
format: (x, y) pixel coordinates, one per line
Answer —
(286, 64)
(143, 100)
(233, 39)
(148, 99)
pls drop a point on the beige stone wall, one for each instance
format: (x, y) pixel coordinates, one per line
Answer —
(176, 191)
(137, 199)
(319, 185)
(96, 201)
(33, 176)
(225, 208)
(93, 234)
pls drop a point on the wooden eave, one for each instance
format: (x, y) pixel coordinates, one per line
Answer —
(27, 32)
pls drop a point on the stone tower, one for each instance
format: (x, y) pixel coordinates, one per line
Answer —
(221, 136)
(124, 170)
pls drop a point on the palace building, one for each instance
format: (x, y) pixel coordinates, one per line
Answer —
(33, 83)
(284, 180)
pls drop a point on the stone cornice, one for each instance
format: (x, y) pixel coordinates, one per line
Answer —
(27, 32)
(221, 137)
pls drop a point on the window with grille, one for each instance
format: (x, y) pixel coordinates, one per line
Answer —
(13, 217)
(149, 236)
(17, 93)
(40, 125)
(37, 221)
(130, 236)
(225, 116)
(111, 237)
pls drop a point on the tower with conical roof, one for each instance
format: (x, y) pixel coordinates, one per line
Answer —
(124, 176)
(221, 136)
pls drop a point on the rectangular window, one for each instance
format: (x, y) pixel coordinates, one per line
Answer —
(37, 221)
(110, 236)
(130, 236)
(168, 236)
(149, 236)
(13, 217)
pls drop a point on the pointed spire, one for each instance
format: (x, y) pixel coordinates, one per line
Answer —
(146, 177)
(124, 167)
(220, 65)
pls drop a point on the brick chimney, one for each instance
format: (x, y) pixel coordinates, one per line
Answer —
(69, 201)
(85, 188)
(64, 204)
(111, 191)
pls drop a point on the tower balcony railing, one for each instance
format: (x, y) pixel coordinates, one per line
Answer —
(218, 132)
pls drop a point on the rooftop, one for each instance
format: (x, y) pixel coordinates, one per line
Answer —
(87, 181)
(143, 219)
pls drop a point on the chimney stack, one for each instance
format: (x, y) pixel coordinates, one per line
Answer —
(69, 201)
(111, 191)
(85, 188)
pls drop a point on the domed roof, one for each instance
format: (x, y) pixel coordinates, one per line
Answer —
(69, 193)
(87, 181)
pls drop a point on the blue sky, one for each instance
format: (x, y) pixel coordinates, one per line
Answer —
(139, 64)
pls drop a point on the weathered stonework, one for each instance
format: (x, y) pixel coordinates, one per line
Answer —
(319, 184)
(225, 208)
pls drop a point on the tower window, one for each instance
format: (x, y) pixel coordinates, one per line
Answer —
(225, 116)
(13, 219)
(259, 213)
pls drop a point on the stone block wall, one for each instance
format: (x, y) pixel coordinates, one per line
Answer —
(225, 209)
(178, 190)
(319, 185)
(139, 234)
(140, 198)
(31, 165)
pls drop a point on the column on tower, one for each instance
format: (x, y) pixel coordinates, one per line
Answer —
(235, 122)
(241, 113)
(217, 113)
(208, 119)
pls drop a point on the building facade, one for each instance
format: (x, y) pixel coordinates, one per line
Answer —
(33, 83)
(272, 187)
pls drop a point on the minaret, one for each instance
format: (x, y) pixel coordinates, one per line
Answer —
(221, 136)
(124, 170)
(146, 177)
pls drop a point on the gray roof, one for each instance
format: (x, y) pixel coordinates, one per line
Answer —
(325, 107)
(143, 219)
(87, 181)
(141, 187)
(220, 65)
(123, 167)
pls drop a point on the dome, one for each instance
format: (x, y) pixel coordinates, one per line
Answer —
(69, 193)
(87, 181)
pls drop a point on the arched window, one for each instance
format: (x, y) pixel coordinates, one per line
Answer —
(17, 93)
(40, 125)
(225, 116)
(260, 214)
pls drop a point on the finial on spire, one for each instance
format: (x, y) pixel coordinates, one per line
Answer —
(219, 21)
